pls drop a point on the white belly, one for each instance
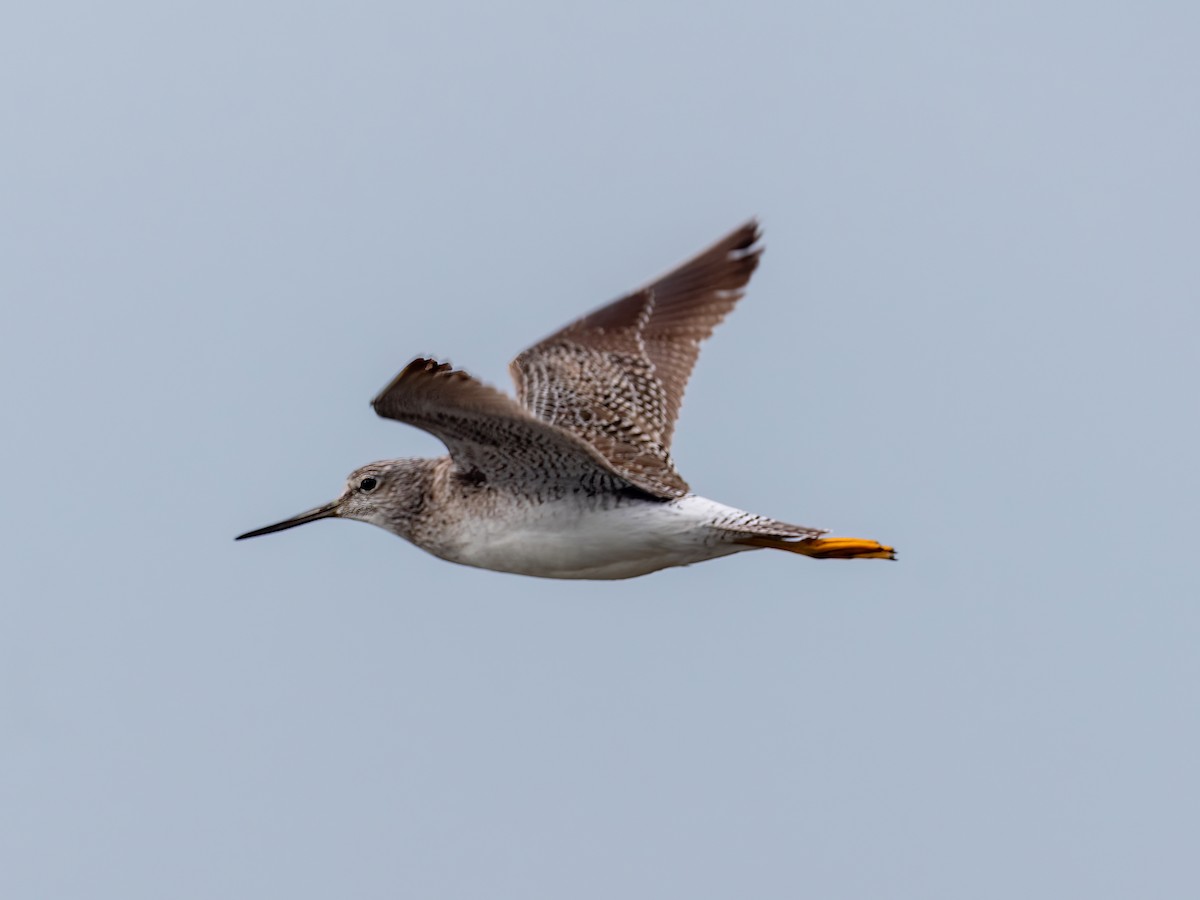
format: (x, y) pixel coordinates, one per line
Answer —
(566, 540)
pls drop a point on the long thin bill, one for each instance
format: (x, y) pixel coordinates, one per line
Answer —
(327, 511)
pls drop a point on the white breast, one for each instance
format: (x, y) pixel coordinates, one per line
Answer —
(568, 539)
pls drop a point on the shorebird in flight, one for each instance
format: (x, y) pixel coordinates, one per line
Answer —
(574, 478)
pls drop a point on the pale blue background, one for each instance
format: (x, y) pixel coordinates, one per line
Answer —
(227, 225)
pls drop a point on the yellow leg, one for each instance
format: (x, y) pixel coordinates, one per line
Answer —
(826, 548)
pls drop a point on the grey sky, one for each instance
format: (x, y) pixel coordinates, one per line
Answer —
(226, 226)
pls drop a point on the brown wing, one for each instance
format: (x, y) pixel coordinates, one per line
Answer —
(617, 376)
(490, 434)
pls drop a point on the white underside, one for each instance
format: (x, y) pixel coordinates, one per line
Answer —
(564, 540)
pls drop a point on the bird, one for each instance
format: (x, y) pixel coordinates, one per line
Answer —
(574, 478)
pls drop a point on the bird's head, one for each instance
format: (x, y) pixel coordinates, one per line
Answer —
(389, 493)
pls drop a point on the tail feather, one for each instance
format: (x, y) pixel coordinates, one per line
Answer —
(824, 548)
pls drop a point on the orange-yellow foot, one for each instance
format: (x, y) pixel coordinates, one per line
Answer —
(826, 548)
(845, 548)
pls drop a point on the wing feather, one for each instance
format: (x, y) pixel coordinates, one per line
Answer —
(617, 376)
(490, 434)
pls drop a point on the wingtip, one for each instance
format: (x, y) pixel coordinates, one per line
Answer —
(419, 364)
(748, 235)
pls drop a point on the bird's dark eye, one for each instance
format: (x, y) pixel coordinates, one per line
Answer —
(368, 484)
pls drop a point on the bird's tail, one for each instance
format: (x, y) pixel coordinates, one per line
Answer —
(824, 548)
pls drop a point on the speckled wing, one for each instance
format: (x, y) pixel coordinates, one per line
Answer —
(616, 377)
(488, 433)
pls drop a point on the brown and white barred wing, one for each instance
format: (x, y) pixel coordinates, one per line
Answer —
(489, 435)
(608, 399)
(617, 376)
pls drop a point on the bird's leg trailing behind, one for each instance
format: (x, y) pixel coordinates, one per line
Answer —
(825, 548)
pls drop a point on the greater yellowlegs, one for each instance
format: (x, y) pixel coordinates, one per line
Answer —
(574, 478)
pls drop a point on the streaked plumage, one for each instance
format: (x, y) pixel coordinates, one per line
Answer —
(574, 479)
